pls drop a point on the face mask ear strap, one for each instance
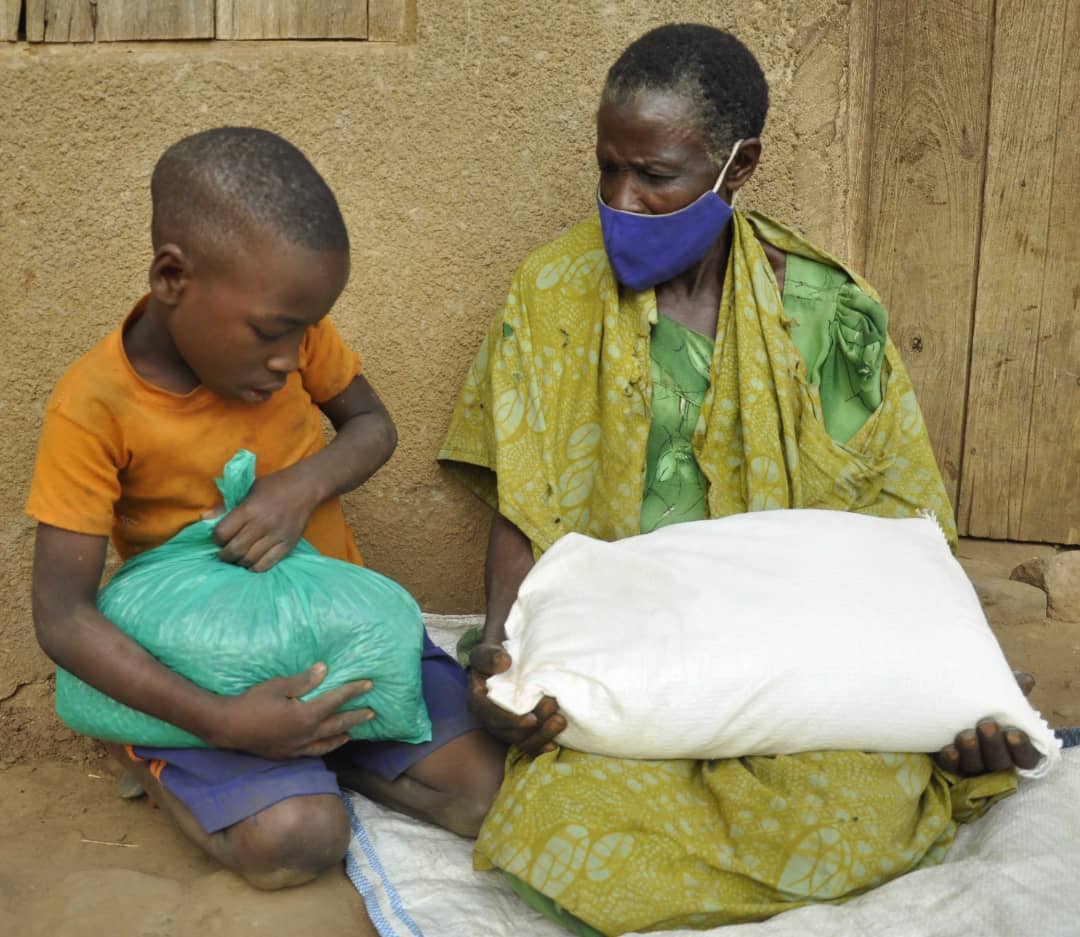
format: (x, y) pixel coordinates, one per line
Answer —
(727, 165)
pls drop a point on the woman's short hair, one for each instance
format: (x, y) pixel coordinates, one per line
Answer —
(716, 74)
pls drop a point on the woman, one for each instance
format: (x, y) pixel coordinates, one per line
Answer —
(667, 361)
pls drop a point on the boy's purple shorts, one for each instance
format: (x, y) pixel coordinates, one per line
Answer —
(221, 788)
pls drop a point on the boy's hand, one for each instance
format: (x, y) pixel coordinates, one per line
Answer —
(533, 732)
(271, 721)
(263, 528)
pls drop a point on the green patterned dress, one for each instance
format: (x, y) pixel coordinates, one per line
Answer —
(675, 488)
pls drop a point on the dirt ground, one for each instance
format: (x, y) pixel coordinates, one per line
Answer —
(77, 860)
(1047, 648)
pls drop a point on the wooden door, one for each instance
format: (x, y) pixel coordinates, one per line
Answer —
(966, 157)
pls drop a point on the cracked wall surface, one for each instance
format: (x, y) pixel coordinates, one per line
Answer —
(452, 158)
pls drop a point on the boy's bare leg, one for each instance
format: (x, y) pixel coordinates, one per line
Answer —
(453, 787)
(290, 843)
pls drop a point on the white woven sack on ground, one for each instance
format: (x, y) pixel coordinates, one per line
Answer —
(764, 633)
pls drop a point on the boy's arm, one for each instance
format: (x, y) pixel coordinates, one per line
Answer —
(268, 720)
(265, 527)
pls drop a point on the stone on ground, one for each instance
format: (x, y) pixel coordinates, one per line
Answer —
(1005, 602)
(1059, 577)
(1008, 602)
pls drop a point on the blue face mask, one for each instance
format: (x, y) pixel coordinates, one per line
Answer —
(644, 250)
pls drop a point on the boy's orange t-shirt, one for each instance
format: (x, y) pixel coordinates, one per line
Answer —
(123, 457)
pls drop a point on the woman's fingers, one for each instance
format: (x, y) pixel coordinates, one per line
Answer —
(533, 732)
(948, 759)
(545, 709)
(1023, 753)
(995, 754)
(550, 723)
(986, 749)
(489, 659)
(543, 739)
(504, 725)
(485, 660)
(967, 742)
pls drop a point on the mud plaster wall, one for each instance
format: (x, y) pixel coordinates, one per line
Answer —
(452, 157)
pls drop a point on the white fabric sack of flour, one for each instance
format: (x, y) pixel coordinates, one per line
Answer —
(758, 634)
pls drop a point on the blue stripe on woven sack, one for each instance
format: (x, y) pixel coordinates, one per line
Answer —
(354, 868)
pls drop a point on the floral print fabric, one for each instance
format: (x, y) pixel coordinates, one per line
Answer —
(552, 423)
(552, 428)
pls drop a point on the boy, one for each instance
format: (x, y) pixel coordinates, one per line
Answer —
(232, 349)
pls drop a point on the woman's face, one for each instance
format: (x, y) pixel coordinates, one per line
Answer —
(651, 155)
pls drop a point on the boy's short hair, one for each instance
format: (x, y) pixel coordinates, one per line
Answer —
(214, 185)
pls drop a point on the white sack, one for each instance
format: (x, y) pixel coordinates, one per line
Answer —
(763, 633)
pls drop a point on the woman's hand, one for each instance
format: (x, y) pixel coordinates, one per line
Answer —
(271, 721)
(263, 528)
(533, 732)
(988, 748)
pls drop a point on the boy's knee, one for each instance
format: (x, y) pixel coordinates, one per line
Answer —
(293, 841)
(465, 813)
(475, 795)
(466, 809)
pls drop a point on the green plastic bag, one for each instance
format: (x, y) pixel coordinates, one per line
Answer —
(226, 629)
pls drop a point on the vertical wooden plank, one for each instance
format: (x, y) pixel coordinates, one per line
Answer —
(1028, 48)
(292, 19)
(386, 20)
(862, 29)
(9, 20)
(922, 171)
(60, 20)
(119, 20)
(1051, 505)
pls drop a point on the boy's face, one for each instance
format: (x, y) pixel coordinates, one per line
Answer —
(239, 326)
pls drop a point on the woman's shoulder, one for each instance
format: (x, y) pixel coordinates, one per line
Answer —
(790, 243)
(582, 241)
